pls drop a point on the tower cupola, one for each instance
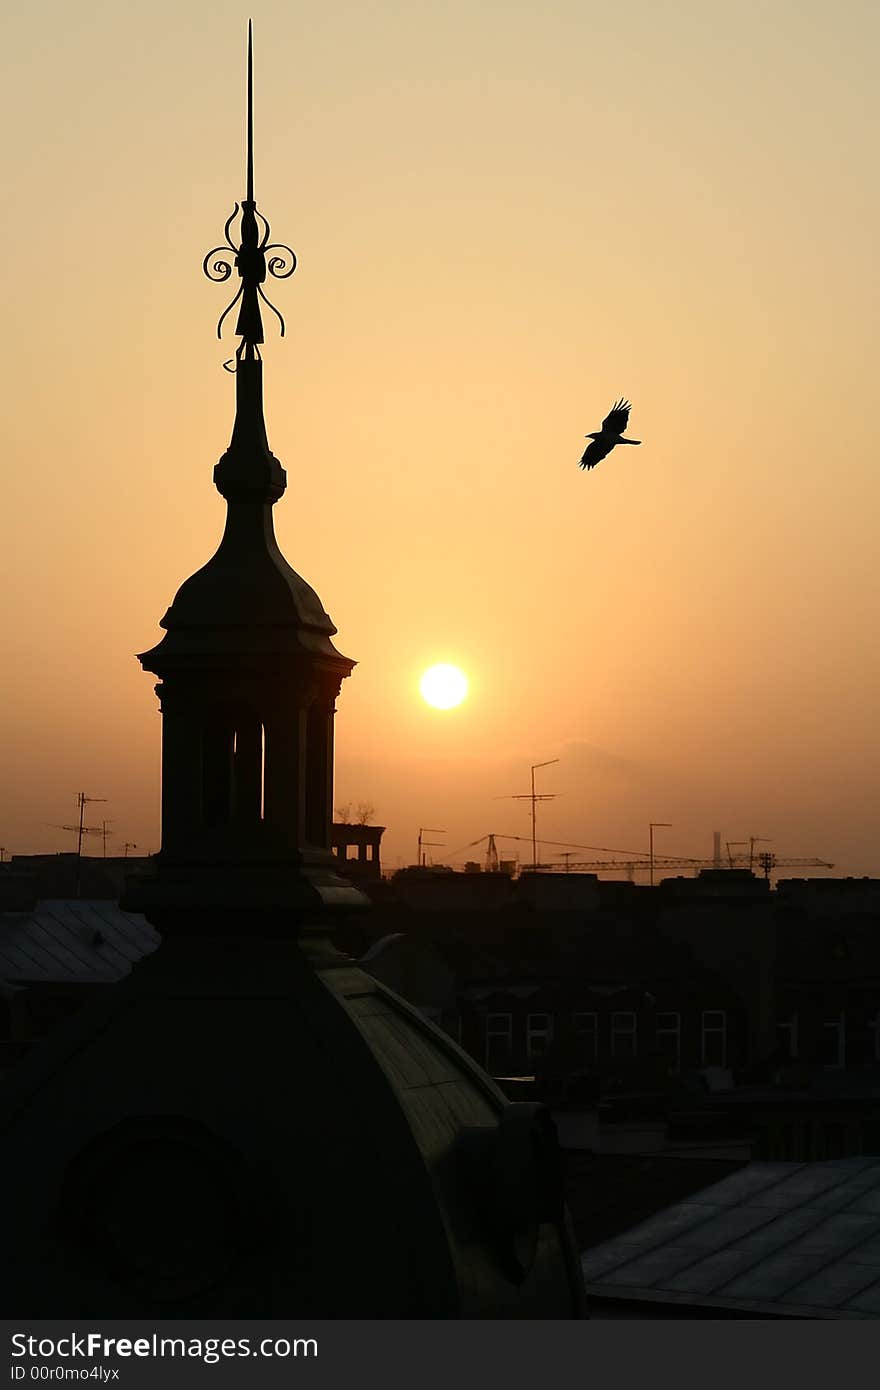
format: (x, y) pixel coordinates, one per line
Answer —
(248, 673)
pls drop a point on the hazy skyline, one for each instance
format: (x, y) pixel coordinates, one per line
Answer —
(504, 219)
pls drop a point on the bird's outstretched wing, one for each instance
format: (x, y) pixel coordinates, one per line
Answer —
(596, 450)
(616, 420)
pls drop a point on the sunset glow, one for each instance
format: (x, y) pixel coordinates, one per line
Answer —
(444, 686)
(494, 244)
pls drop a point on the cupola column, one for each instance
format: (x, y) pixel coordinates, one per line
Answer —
(182, 809)
(284, 759)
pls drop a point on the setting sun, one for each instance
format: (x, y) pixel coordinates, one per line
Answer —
(444, 686)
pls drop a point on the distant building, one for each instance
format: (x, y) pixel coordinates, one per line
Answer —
(71, 875)
(358, 848)
(766, 1001)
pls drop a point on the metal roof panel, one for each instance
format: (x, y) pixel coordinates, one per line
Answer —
(832, 1285)
(798, 1239)
(72, 941)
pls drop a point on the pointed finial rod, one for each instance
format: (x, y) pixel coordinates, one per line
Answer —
(250, 113)
(252, 257)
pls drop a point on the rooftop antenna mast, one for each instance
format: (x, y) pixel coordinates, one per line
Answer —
(534, 797)
(82, 800)
(428, 844)
(654, 825)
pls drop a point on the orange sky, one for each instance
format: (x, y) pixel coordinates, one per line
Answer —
(505, 216)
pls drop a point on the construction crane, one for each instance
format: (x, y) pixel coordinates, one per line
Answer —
(636, 859)
(492, 861)
(768, 862)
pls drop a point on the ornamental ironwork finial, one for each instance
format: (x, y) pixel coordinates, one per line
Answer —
(252, 258)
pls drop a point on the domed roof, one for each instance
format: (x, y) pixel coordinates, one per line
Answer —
(251, 1129)
(248, 581)
(247, 599)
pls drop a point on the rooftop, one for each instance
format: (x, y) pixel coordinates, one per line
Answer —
(72, 942)
(774, 1239)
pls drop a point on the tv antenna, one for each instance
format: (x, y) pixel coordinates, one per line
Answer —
(83, 801)
(428, 844)
(534, 797)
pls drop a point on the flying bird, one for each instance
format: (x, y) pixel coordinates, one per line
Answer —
(610, 435)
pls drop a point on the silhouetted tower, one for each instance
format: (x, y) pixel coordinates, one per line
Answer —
(250, 1125)
(248, 672)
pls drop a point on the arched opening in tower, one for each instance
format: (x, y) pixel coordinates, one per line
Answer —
(317, 788)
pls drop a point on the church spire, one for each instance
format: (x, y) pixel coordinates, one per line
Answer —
(248, 469)
(252, 257)
(250, 114)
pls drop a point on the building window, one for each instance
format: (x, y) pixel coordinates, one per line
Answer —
(539, 1034)
(833, 1042)
(623, 1035)
(787, 1035)
(586, 1027)
(669, 1038)
(499, 1041)
(714, 1039)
